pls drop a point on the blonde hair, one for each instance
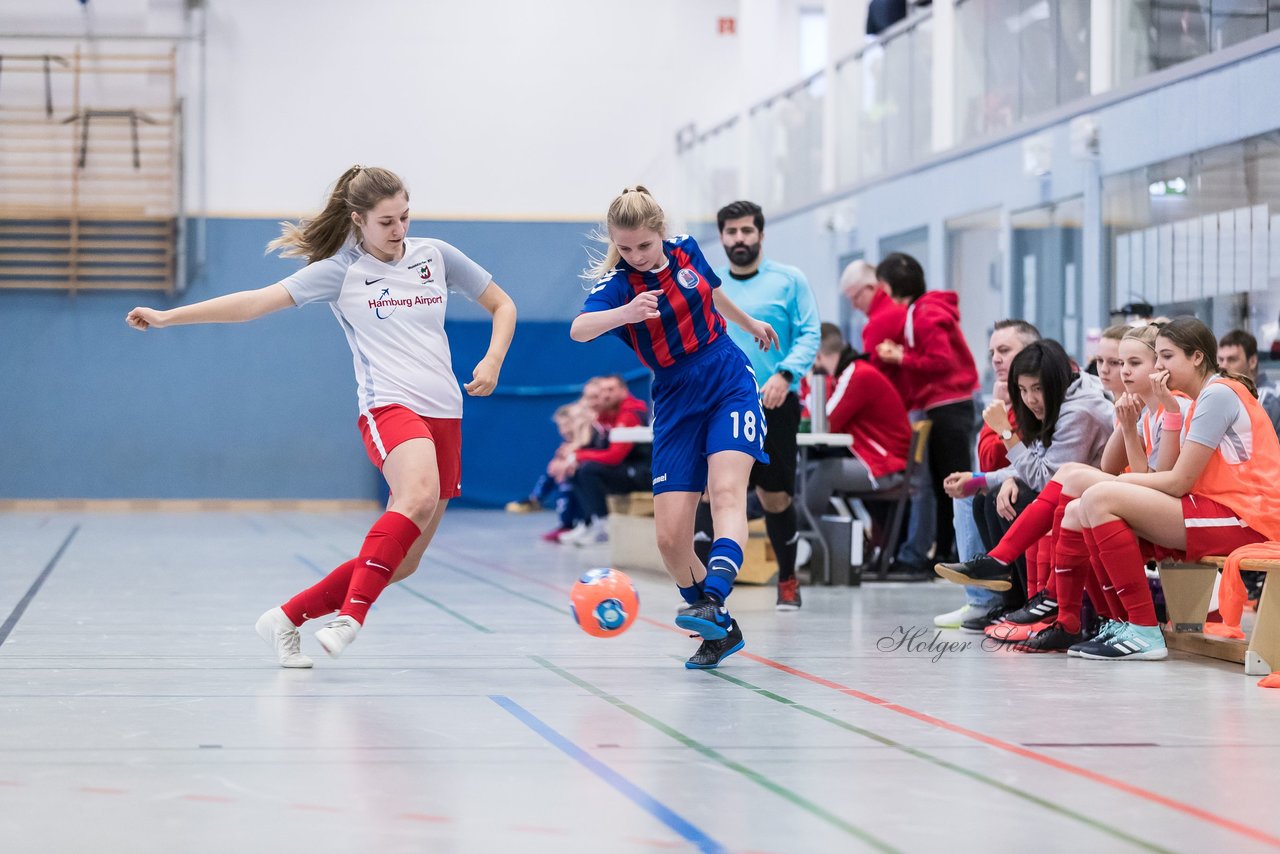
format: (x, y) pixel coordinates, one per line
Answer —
(1117, 332)
(1145, 334)
(358, 190)
(634, 208)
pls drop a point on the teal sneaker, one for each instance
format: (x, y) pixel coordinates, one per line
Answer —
(1105, 631)
(1130, 642)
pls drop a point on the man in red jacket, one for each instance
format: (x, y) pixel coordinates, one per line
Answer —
(886, 320)
(939, 368)
(608, 468)
(862, 404)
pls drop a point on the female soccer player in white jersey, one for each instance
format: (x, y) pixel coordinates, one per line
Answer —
(388, 292)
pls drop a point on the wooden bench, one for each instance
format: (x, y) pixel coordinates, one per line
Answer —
(633, 541)
(1188, 588)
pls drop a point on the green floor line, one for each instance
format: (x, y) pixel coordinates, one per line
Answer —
(920, 754)
(443, 607)
(719, 758)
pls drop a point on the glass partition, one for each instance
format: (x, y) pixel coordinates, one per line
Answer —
(1155, 34)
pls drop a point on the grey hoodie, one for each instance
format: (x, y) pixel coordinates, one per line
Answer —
(1085, 422)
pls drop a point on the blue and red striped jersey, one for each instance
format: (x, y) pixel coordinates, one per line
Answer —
(689, 320)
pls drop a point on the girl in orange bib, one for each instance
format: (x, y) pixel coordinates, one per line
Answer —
(1222, 493)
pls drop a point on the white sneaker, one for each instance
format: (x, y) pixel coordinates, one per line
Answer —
(953, 619)
(804, 552)
(597, 532)
(337, 635)
(283, 636)
(571, 536)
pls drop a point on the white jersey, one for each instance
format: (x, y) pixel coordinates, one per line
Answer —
(393, 316)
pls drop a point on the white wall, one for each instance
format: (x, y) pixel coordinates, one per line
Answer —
(499, 109)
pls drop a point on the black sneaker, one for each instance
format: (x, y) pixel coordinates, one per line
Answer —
(705, 618)
(976, 625)
(1039, 609)
(712, 652)
(982, 571)
(1053, 639)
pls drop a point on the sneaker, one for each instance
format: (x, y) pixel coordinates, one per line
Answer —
(982, 571)
(526, 506)
(953, 619)
(554, 535)
(712, 652)
(283, 636)
(1007, 632)
(705, 618)
(1039, 609)
(804, 552)
(337, 635)
(1100, 637)
(597, 533)
(1052, 639)
(981, 619)
(789, 595)
(1130, 642)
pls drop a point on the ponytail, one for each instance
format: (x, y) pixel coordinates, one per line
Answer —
(358, 190)
(635, 208)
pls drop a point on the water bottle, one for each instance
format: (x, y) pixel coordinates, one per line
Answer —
(818, 403)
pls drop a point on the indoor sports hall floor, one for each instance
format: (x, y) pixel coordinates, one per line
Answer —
(139, 712)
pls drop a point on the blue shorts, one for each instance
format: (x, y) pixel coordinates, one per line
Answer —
(701, 406)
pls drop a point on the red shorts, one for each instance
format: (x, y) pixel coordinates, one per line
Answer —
(388, 426)
(1212, 529)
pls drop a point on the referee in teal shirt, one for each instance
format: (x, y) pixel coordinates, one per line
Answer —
(780, 295)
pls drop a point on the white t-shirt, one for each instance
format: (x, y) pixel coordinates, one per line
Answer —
(393, 316)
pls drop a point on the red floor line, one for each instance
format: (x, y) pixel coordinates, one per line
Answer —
(1093, 776)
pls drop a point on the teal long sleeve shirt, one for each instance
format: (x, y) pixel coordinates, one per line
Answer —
(779, 295)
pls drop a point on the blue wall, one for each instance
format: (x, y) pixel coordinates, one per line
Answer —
(93, 409)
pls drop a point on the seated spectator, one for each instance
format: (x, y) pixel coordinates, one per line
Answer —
(863, 404)
(605, 467)
(1062, 417)
(1238, 354)
(1221, 494)
(1106, 364)
(1051, 619)
(982, 606)
(574, 422)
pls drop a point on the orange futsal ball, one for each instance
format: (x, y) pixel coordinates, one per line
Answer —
(604, 602)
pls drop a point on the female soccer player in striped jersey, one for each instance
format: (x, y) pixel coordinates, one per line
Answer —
(388, 292)
(660, 296)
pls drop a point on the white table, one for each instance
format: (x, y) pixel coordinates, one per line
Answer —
(804, 441)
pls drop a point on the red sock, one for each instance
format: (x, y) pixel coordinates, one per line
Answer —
(1093, 587)
(384, 548)
(1071, 565)
(1044, 561)
(1031, 524)
(1126, 567)
(322, 598)
(1108, 589)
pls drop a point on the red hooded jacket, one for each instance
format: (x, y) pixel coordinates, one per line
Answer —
(863, 404)
(936, 361)
(885, 320)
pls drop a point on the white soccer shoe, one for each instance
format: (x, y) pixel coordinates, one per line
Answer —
(283, 636)
(337, 635)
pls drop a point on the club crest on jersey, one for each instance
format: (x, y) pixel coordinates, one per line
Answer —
(687, 278)
(424, 272)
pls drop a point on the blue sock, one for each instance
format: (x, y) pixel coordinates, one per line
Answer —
(690, 594)
(722, 569)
